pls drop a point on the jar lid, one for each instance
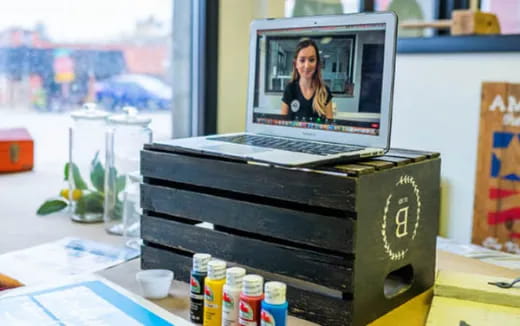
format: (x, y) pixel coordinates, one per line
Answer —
(89, 111)
(275, 292)
(130, 117)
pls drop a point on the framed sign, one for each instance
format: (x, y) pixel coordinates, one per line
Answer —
(496, 215)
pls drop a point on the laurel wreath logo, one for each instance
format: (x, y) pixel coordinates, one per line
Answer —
(397, 255)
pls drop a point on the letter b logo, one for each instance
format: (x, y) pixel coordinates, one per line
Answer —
(401, 221)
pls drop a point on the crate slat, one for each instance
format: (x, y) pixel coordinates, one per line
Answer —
(399, 161)
(307, 188)
(416, 157)
(378, 165)
(334, 233)
(427, 153)
(355, 169)
(328, 270)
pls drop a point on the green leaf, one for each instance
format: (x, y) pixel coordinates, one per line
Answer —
(95, 159)
(120, 183)
(76, 176)
(97, 176)
(51, 206)
(90, 203)
(117, 182)
(116, 212)
(66, 171)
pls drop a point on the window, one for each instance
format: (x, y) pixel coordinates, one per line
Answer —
(56, 55)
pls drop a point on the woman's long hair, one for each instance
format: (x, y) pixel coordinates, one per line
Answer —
(320, 97)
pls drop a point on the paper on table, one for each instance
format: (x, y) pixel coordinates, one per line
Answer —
(81, 300)
(470, 250)
(62, 258)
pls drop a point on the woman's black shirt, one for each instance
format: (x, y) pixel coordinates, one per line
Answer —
(299, 107)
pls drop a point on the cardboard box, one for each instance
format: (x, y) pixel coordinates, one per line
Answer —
(16, 150)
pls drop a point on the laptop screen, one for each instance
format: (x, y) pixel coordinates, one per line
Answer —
(327, 78)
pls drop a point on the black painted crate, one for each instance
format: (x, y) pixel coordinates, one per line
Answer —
(351, 241)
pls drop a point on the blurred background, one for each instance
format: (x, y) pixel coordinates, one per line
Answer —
(56, 55)
(184, 63)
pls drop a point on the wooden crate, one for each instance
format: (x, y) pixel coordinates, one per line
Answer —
(497, 187)
(352, 241)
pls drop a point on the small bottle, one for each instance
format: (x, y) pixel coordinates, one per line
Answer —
(231, 295)
(250, 300)
(198, 274)
(274, 305)
(213, 286)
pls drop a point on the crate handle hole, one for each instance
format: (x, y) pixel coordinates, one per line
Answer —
(398, 281)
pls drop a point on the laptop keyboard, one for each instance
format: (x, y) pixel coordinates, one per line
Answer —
(286, 144)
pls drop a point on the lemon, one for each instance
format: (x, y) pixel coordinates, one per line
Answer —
(64, 193)
(76, 194)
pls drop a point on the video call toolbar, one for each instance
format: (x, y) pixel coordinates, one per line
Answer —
(322, 124)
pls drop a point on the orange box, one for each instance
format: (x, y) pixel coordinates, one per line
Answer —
(16, 150)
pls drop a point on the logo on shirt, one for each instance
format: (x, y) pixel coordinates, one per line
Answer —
(295, 106)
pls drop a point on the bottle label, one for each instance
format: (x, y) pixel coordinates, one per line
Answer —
(247, 323)
(266, 319)
(196, 310)
(195, 285)
(197, 296)
(228, 302)
(208, 294)
(245, 311)
(227, 322)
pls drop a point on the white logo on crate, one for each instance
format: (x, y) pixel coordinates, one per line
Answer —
(399, 216)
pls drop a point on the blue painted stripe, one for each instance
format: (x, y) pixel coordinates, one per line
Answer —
(495, 166)
(512, 177)
(123, 303)
(50, 314)
(502, 139)
(133, 309)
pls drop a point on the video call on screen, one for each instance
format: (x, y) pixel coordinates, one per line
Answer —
(351, 66)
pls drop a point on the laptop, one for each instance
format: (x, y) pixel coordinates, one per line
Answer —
(283, 127)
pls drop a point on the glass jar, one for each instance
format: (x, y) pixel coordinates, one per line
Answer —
(132, 211)
(85, 170)
(126, 135)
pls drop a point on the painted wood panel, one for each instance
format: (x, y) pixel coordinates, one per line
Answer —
(496, 212)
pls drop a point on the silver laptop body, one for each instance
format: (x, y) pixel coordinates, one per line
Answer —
(358, 61)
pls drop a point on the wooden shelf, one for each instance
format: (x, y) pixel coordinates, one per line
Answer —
(459, 44)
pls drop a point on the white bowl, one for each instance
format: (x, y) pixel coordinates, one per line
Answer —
(154, 283)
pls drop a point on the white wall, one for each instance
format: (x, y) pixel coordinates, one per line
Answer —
(437, 107)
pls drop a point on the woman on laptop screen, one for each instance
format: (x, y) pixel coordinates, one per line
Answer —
(306, 97)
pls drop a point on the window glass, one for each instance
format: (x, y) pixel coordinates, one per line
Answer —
(411, 11)
(296, 8)
(56, 55)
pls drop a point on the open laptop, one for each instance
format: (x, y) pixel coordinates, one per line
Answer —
(357, 64)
